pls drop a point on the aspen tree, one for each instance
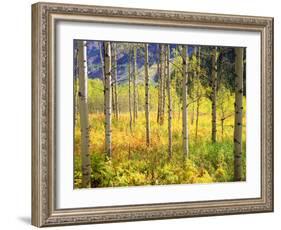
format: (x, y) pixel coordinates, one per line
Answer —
(184, 103)
(130, 96)
(76, 82)
(114, 82)
(198, 93)
(108, 97)
(194, 76)
(135, 102)
(169, 102)
(146, 66)
(162, 84)
(159, 83)
(83, 99)
(214, 94)
(238, 114)
(103, 75)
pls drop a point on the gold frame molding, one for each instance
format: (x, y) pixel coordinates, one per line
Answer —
(44, 18)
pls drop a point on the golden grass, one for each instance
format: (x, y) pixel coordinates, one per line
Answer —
(135, 163)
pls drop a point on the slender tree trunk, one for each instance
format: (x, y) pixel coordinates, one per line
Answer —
(180, 109)
(192, 114)
(83, 96)
(222, 128)
(76, 82)
(101, 61)
(169, 102)
(108, 97)
(238, 114)
(130, 96)
(117, 109)
(214, 94)
(115, 79)
(161, 88)
(194, 77)
(184, 103)
(223, 117)
(112, 92)
(159, 91)
(103, 75)
(75, 100)
(135, 102)
(197, 119)
(147, 96)
(198, 94)
(164, 81)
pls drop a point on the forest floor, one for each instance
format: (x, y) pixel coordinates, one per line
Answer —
(134, 163)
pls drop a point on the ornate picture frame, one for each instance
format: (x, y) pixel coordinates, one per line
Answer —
(44, 19)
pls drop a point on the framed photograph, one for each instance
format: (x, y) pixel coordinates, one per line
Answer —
(142, 114)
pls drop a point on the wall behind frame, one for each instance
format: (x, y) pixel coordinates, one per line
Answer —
(15, 114)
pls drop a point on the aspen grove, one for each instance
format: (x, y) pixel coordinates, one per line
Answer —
(158, 114)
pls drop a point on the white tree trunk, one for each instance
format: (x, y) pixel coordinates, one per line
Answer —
(135, 102)
(103, 75)
(83, 96)
(76, 82)
(169, 102)
(112, 89)
(108, 97)
(146, 66)
(161, 86)
(102, 62)
(214, 94)
(238, 114)
(114, 81)
(130, 94)
(198, 93)
(184, 103)
(164, 82)
(159, 91)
